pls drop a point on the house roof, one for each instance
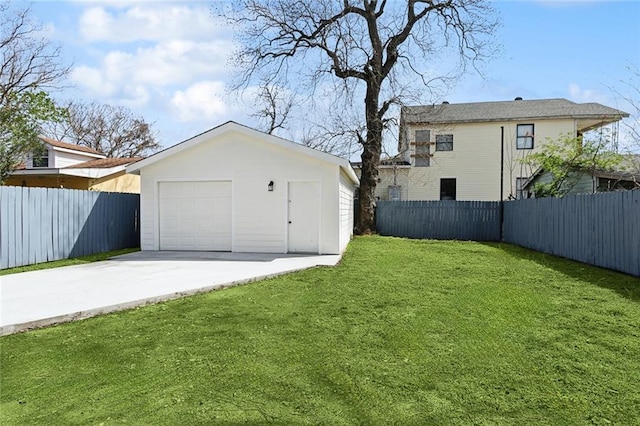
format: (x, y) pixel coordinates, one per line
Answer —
(626, 175)
(395, 161)
(510, 111)
(104, 163)
(233, 126)
(72, 146)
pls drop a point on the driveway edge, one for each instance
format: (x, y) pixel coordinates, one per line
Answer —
(9, 329)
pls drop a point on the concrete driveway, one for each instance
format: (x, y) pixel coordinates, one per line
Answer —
(40, 298)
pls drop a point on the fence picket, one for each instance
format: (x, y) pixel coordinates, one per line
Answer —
(451, 220)
(44, 224)
(599, 229)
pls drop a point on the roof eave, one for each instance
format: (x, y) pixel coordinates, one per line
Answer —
(91, 173)
(76, 152)
(233, 126)
(606, 119)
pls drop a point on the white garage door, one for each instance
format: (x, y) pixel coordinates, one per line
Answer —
(195, 215)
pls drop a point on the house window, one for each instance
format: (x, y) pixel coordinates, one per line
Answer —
(395, 193)
(40, 159)
(524, 139)
(423, 149)
(447, 189)
(444, 142)
(520, 192)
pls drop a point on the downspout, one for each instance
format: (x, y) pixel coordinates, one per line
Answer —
(501, 180)
(501, 163)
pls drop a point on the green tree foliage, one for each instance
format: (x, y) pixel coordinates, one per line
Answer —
(568, 158)
(21, 115)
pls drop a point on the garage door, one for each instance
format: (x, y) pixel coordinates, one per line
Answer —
(195, 215)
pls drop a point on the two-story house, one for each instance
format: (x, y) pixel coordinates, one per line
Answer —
(474, 151)
(65, 165)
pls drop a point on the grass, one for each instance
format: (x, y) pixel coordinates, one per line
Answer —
(401, 332)
(68, 262)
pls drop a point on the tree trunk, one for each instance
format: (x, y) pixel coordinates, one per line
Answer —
(372, 147)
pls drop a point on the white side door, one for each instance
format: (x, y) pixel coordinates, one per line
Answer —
(303, 217)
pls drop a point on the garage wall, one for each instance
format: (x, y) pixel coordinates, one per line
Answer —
(259, 216)
(345, 198)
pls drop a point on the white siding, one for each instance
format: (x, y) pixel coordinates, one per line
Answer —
(66, 159)
(475, 159)
(390, 176)
(259, 216)
(345, 197)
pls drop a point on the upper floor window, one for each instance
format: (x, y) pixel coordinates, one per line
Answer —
(40, 158)
(423, 150)
(524, 139)
(444, 142)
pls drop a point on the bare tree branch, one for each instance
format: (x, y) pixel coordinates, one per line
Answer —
(28, 61)
(277, 105)
(112, 130)
(372, 47)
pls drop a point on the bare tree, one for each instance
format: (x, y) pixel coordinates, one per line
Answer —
(28, 61)
(367, 47)
(631, 95)
(112, 130)
(29, 65)
(277, 104)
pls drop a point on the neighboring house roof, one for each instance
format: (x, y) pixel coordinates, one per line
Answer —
(96, 166)
(622, 175)
(74, 147)
(508, 111)
(395, 161)
(233, 126)
(104, 163)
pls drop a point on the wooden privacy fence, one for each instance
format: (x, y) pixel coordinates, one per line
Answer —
(44, 224)
(442, 220)
(599, 229)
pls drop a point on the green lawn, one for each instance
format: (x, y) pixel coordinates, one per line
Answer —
(402, 332)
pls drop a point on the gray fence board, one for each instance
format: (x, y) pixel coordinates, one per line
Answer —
(447, 220)
(599, 229)
(44, 224)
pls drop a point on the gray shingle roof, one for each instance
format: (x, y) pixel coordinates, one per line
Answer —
(508, 110)
(72, 146)
(104, 163)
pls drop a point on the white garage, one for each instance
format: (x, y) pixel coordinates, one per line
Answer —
(236, 189)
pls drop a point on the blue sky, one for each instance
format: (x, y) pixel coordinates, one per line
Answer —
(167, 60)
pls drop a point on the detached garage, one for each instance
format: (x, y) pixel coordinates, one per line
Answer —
(236, 189)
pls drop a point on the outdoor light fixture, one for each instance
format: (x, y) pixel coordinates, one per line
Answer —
(270, 186)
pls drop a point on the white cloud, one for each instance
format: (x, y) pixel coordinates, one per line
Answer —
(92, 79)
(151, 23)
(165, 60)
(201, 101)
(580, 94)
(165, 64)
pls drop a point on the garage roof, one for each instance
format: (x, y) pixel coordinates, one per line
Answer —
(235, 127)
